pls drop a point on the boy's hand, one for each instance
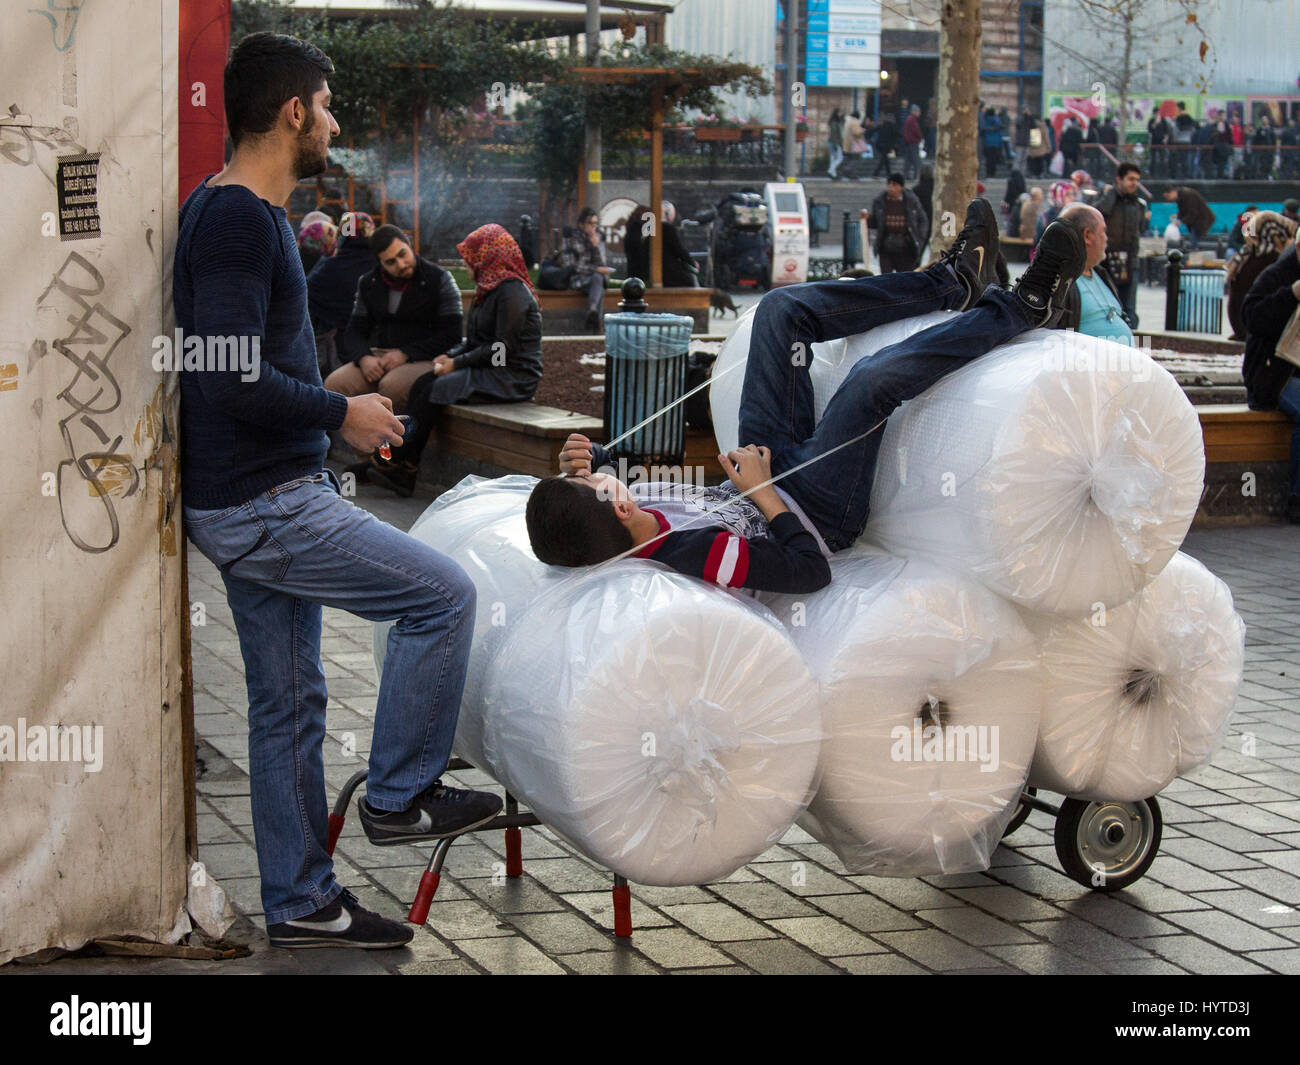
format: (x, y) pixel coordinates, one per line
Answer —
(575, 455)
(747, 466)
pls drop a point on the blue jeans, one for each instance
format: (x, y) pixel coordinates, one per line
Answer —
(1289, 404)
(776, 400)
(282, 555)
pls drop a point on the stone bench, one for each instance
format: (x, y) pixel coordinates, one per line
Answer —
(1015, 249)
(494, 439)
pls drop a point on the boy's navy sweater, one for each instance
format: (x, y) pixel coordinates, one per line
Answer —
(237, 274)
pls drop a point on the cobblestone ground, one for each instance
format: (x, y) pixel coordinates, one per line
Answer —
(1223, 896)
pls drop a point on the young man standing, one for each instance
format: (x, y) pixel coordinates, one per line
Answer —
(900, 225)
(767, 537)
(1126, 214)
(261, 508)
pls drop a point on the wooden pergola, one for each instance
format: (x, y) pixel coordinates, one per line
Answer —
(664, 86)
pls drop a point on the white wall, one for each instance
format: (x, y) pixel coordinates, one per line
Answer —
(90, 592)
(742, 29)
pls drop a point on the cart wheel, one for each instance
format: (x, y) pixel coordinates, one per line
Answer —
(1107, 845)
(1021, 815)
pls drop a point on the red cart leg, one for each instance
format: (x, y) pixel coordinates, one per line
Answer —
(514, 841)
(340, 812)
(622, 908)
(429, 883)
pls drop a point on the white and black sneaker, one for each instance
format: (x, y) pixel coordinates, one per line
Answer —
(1058, 260)
(343, 923)
(437, 812)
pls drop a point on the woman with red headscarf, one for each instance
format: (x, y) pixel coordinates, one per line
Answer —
(499, 361)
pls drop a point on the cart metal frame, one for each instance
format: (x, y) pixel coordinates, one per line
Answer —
(1102, 845)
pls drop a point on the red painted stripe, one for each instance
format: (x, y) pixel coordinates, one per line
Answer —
(714, 560)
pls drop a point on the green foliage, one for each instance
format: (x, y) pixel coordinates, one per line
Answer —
(434, 57)
(555, 118)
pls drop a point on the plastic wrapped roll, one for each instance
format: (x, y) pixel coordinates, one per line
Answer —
(480, 524)
(931, 691)
(1058, 470)
(670, 731)
(1141, 693)
(667, 730)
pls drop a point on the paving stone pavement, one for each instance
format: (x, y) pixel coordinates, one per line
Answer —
(1222, 897)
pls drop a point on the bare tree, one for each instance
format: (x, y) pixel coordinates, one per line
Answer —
(956, 163)
(1125, 45)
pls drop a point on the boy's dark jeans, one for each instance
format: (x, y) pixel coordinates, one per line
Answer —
(776, 403)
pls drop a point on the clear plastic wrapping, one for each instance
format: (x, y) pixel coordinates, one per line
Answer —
(669, 730)
(666, 729)
(931, 690)
(1141, 693)
(1059, 470)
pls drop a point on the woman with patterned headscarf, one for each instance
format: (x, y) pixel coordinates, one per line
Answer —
(1266, 235)
(316, 240)
(499, 361)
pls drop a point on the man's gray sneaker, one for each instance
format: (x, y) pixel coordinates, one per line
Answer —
(437, 812)
(343, 923)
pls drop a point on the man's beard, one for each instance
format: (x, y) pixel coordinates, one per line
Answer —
(308, 159)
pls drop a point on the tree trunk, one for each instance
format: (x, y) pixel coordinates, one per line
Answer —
(956, 161)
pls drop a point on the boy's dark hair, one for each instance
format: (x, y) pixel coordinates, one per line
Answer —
(384, 236)
(1127, 168)
(895, 179)
(585, 213)
(264, 72)
(569, 524)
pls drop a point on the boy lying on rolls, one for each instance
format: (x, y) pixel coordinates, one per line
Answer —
(751, 533)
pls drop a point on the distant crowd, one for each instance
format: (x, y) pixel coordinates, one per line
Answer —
(1178, 146)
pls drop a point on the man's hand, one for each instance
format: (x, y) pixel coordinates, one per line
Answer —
(443, 364)
(607, 270)
(392, 359)
(370, 422)
(372, 369)
(575, 455)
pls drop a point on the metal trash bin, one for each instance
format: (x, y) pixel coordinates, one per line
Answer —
(852, 238)
(645, 370)
(1200, 300)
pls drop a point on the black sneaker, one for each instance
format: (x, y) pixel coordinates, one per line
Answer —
(437, 812)
(1058, 261)
(397, 477)
(974, 254)
(592, 322)
(343, 923)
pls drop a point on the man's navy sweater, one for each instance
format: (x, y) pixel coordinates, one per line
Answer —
(237, 274)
